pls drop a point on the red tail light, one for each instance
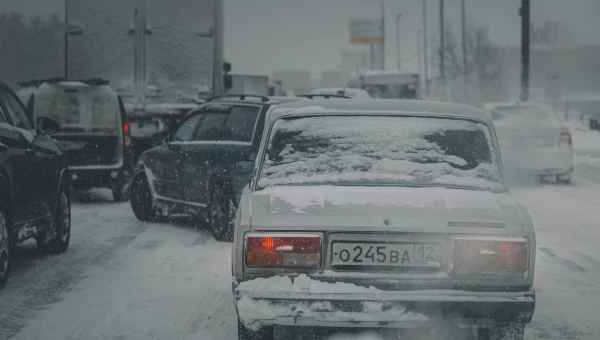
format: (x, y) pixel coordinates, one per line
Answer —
(489, 255)
(127, 135)
(278, 250)
(565, 136)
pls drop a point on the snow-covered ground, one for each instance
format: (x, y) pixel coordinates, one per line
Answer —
(122, 279)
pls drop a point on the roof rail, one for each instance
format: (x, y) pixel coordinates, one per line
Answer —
(38, 82)
(326, 96)
(240, 97)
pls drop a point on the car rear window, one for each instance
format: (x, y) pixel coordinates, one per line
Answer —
(77, 113)
(380, 150)
(240, 124)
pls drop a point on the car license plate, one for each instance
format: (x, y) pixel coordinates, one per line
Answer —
(145, 129)
(386, 254)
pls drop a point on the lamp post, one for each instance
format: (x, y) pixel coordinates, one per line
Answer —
(442, 54)
(398, 38)
(425, 48)
(419, 57)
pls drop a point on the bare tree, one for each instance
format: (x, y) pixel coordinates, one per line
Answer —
(484, 63)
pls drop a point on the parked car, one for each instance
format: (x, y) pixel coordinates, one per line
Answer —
(154, 119)
(196, 170)
(533, 140)
(95, 133)
(34, 180)
(366, 213)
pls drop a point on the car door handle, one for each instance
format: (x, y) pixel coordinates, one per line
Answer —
(30, 152)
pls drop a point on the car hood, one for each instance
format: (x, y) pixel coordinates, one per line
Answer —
(398, 209)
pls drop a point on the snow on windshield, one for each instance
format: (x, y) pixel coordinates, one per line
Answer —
(363, 150)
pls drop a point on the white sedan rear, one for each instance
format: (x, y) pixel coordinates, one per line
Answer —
(533, 140)
(381, 213)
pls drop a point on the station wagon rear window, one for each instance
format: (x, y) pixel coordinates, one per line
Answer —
(380, 151)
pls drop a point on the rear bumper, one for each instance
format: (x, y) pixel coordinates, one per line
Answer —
(398, 309)
(546, 161)
(99, 178)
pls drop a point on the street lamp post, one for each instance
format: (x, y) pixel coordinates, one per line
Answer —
(442, 52)
(419, 56)
(398, 38)
(425, 48)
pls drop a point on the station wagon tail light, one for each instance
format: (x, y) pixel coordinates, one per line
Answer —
(283, 250)
(565, 137)
(489, 255)
(127, 135)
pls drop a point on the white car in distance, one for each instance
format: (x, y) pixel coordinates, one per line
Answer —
(533, 140)
(367, 213)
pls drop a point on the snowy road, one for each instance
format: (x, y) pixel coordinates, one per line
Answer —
(122, 279)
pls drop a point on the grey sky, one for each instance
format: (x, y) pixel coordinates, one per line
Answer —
(264, 35)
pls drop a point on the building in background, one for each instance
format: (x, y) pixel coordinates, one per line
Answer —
(294, 82)
(355, 61)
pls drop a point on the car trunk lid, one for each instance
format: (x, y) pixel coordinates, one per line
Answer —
(384, 210)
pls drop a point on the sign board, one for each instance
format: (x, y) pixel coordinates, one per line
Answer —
(365, 31)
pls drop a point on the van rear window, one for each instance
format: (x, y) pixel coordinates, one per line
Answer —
(74, 111)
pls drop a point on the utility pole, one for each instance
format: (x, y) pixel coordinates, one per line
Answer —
(419, 56)
(398, 38)
(372, 57)
(525, 19)
(140, 51)
(425, 48)
(464, 41)
(382, 35)
(442, 37)
(66, 37)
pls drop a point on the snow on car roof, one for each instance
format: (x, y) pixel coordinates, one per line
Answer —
(379, 106)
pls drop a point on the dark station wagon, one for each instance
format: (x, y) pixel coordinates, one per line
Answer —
(202, 166)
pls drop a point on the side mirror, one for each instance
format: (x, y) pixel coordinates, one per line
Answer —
(47, 126)
(160, 138)
(244, 167)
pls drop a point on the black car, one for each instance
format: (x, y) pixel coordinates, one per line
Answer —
(203, 165)
(34, 181)
(95, 132)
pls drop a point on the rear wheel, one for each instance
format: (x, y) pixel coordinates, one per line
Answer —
(140, 198)
(515, 331)
(221, 213)
(244, 333)
(5, 248)
(56, 239)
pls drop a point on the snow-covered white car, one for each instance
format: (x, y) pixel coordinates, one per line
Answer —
(366, 213)
(533, 140)
(342, 91)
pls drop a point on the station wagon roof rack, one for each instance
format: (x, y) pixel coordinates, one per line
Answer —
(326, 96)
(38, 82)
(240, 97)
